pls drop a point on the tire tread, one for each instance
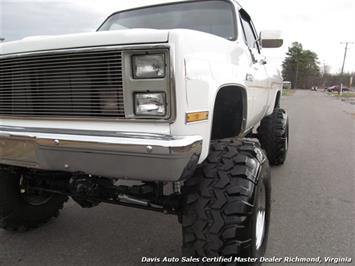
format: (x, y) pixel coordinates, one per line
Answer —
(271, 133)
(21, 218)
(215, 222)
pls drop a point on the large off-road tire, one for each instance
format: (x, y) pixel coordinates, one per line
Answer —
(226, 204)
(273, 136)
(21, 210)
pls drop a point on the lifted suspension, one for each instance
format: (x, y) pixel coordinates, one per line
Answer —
(89, 191)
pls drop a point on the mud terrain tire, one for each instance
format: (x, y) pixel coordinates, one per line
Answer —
(24, 211)
(221, 203)
(273, 136)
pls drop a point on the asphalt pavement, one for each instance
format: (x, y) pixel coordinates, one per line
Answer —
(313, 210)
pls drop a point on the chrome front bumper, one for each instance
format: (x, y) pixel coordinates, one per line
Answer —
(136, 156)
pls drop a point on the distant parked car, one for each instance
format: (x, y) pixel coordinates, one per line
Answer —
(336, 88)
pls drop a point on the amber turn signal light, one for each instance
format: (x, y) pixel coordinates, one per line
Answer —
(196, 116)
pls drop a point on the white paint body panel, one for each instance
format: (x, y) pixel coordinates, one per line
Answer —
(201, 70)
(107, 38)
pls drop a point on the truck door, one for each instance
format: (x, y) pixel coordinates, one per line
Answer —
(256, 78)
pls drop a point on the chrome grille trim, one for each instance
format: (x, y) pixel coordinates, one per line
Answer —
(67, 84)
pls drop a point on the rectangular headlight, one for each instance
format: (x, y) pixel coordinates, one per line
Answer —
(148, 66)
(150, 104)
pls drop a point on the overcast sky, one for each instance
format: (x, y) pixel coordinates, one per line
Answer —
(320, 25)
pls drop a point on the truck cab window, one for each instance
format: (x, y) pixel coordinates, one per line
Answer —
(248, 29)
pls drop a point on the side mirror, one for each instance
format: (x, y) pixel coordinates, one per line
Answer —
(271, 39)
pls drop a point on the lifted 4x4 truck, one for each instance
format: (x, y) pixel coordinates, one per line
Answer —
(172, 98)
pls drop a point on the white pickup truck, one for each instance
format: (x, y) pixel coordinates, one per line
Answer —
(176, 96)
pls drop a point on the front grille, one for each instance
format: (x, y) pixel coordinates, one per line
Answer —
(63, 84)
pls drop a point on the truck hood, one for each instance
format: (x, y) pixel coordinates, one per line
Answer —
(119, 37)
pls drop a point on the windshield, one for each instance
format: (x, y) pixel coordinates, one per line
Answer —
(215, 17)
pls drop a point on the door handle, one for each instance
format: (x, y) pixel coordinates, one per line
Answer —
(249, 77)
(263, 62)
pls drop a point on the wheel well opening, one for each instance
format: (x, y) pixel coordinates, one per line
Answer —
(228, 113)
(277, 100)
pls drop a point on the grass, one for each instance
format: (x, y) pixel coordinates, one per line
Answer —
(288, 92)
(348, 95)
(344, 94)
